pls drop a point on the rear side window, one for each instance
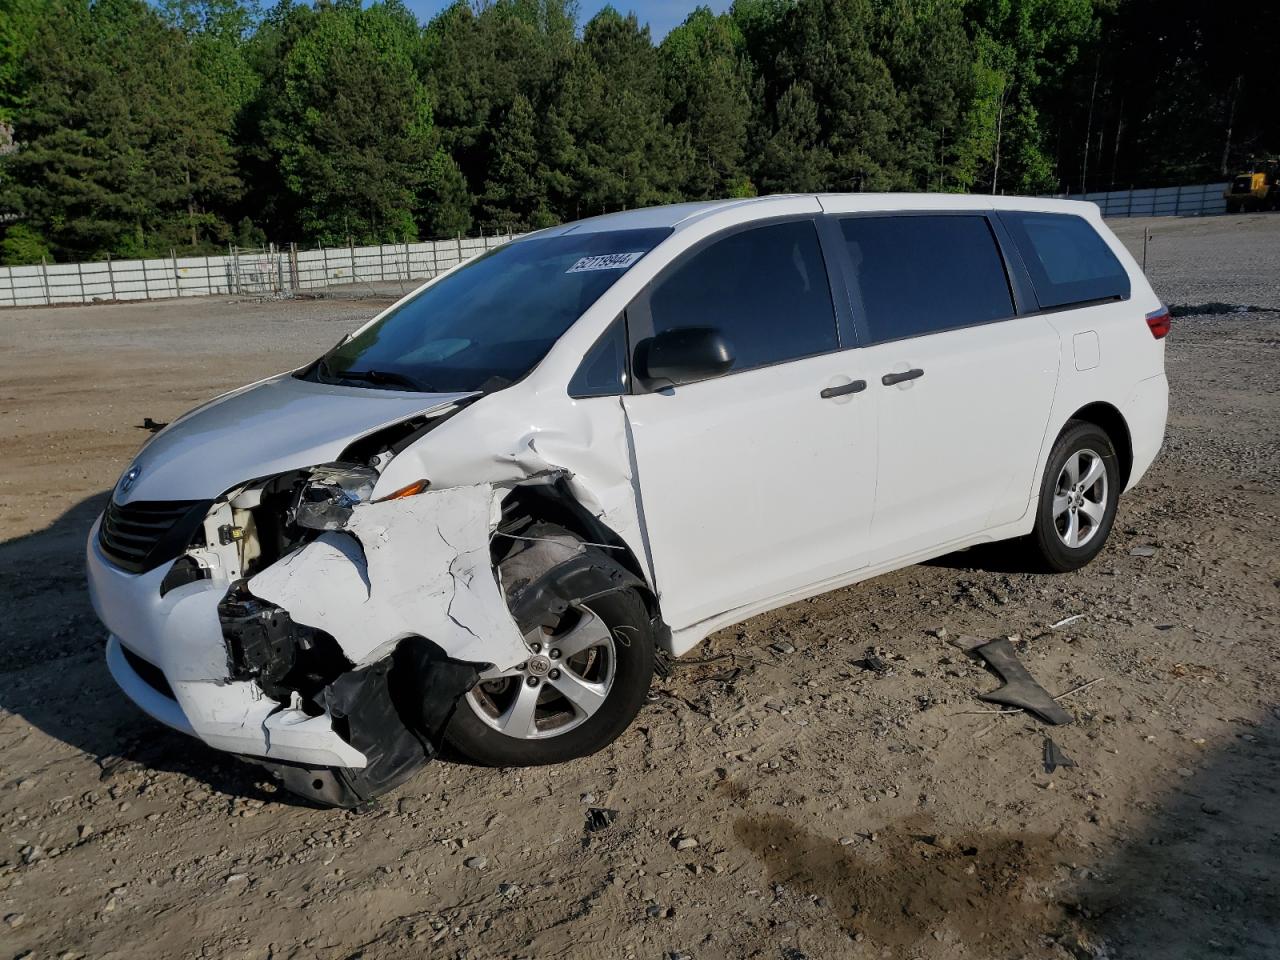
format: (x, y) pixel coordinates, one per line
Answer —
(1068, 262)
(923, 274)
(765, 289)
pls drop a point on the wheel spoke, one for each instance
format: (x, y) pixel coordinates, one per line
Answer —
(1072, 536)
(586, 696)
(518, 720)
(1072, 469)
(589, 632)
(1095, 473)
(1094, 511)
(1060, 505)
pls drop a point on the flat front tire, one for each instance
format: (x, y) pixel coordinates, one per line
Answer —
(1078, 497)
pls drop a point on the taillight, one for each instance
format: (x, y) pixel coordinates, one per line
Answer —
(1159, 323)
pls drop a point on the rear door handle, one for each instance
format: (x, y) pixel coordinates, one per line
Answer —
(853, 386)
(889, 379)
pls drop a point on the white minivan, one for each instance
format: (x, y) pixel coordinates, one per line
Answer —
(489, 513)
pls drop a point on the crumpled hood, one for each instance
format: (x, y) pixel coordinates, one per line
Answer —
(279, 424)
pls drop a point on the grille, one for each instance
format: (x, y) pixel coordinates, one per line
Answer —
(140, 536)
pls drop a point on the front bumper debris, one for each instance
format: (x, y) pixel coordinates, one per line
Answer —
(394, 712)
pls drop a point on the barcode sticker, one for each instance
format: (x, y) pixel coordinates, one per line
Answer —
(605, 261)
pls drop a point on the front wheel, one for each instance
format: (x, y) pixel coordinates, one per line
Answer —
(1078, 497)
(586, 677)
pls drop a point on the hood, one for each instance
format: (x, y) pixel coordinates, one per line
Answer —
(279, 424)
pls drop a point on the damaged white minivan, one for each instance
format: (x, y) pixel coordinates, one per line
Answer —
(488, 514)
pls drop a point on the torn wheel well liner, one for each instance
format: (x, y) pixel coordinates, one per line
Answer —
(554, 504)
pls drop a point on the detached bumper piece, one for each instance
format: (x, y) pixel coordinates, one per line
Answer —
(393, 711)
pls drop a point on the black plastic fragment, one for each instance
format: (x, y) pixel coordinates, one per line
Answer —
(872, 662)
(394, 712)
(1055, 757)
(600, 818)
(265, 645)
(1020, 688)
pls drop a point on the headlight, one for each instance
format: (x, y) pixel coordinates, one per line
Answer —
(326, 500)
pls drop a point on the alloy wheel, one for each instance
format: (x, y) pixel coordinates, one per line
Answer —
(563, 683)
(1080, 498)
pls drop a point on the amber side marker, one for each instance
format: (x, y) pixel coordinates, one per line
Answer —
(412, 490)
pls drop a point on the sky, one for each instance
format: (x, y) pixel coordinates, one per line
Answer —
(661, 15)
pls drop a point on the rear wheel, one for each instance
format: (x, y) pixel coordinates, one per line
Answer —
(1078, 498)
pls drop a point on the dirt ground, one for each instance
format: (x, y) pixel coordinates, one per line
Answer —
(834, 811)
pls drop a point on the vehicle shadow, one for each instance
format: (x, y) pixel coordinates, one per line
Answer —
(54, 675)
(1005, 556)
(1201, 878)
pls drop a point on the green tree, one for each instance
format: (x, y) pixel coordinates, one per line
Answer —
(122, 146)
(19, 23)
(708, 83)
(22, 246)
(793, 158)
(447, 207)
(348, 122)
(1025, 50)
(614, 110)
(476, 63)
(217, 32)
(821, 53)
(931, 61)
(514, 196)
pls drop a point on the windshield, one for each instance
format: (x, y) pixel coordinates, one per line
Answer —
(489, 323)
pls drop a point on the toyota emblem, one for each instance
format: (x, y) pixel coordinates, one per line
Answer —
(129, 479)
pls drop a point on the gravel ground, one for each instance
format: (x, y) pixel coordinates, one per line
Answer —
(780, 801)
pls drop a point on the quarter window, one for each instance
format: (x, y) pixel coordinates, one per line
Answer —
(765, 289)
(603, 371)
(1068, 262)
(915, 275)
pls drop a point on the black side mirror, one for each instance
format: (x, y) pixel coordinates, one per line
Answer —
(682, 356)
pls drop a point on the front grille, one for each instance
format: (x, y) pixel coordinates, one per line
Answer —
(1242, 185)
(141, 536)
(149, 672)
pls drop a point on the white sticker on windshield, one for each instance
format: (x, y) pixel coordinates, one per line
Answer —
(605, 261)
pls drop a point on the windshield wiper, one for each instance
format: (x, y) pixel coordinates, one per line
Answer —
(384, 377)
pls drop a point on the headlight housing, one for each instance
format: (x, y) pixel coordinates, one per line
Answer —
(326, 499)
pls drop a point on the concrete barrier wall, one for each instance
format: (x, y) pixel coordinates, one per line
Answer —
(281, 271)
(1200, 200)
(270, 271)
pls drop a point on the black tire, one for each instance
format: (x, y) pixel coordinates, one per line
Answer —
(1047, 539)
(624, 613)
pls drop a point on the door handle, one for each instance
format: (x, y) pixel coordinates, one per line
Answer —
(854, 386)
(889, 379)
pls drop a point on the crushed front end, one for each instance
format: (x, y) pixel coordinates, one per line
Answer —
(301, 623)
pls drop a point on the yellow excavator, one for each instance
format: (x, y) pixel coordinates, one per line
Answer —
(1256, 188)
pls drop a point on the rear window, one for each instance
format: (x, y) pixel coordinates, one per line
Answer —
(924, 274)
(1068, 262)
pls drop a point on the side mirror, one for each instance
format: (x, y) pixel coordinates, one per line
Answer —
(682, 356)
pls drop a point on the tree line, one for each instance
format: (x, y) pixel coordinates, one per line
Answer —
(130, 129)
